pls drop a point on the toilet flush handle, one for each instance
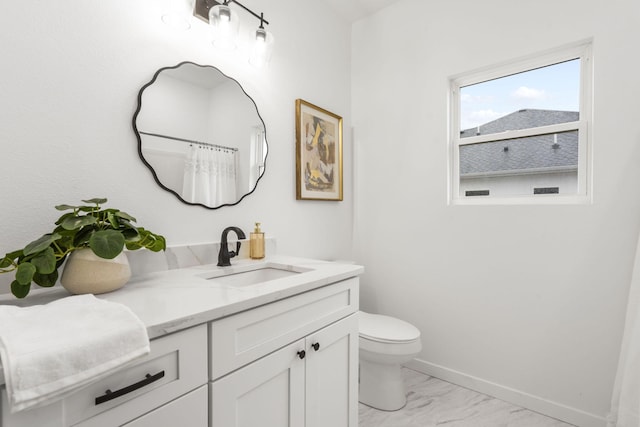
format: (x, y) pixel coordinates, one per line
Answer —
(316, 346)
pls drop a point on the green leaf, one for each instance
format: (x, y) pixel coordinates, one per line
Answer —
(113, 220)
(130, 234)
(46, 280)
(45, 262)
(7, 261)
(159, 245)
(18, 290)
(81, 238)
(64, 232)
(65, 216)
(107, 243)
(66, 207)
(149, 240)
(14, 254)
(41, 243)
(25, 272)
(125, 215)
(97, 201)
(73, 223)
(64, 244)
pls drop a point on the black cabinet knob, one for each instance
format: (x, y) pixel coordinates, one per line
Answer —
(302, 354)
(316, 346)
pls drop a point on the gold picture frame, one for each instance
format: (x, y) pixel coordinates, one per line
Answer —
(318, 153)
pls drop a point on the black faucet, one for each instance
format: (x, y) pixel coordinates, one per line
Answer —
(224, 256)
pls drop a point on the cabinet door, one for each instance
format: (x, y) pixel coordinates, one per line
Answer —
(188, 410)
(268, 392)
(332, 375)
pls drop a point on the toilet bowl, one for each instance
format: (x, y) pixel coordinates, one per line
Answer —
(385, 344)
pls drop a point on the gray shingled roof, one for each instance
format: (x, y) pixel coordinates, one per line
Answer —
(521, 154)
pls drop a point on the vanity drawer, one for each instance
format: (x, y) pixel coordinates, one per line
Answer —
(191, 410)
(244, 337)
(176, 365)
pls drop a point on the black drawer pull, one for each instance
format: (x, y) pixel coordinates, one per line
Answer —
(302, 354)
(110, 395)
(316, 346)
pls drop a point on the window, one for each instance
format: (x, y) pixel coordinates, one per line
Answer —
(519, 131)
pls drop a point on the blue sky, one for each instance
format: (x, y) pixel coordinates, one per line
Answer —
(555, 87)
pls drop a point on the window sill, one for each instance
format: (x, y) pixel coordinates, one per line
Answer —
(540, 199)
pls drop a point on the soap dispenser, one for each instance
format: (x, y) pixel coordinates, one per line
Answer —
(256, 243)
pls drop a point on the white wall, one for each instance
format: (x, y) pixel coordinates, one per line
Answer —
(70, 75)
(526, 302)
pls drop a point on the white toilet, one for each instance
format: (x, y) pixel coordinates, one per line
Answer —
(385, 344)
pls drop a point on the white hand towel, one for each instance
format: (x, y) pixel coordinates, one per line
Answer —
(49, 351)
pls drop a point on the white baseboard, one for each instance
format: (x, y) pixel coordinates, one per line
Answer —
(534, 403)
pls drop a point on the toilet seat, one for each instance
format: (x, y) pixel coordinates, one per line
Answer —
(386, 329)
(374, 349)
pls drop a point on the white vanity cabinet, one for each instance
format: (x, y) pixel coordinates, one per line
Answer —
(290, 363)
(278, 355)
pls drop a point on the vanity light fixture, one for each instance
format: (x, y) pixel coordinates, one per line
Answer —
(225, 26)
(262, 47)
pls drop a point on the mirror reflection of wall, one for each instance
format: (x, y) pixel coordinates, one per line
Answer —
(201, 134)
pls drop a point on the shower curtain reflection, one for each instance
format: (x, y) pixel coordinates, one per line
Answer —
(210, 176)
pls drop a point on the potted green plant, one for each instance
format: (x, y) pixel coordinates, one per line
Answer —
(104, 232)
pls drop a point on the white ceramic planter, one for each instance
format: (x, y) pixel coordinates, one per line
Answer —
(87, 273)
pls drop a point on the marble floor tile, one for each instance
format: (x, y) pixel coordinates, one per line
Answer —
(433, 402)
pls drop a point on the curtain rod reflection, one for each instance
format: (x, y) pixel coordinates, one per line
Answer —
(189, 141)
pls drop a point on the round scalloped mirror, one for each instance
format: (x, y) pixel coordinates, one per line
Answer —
(201, 135)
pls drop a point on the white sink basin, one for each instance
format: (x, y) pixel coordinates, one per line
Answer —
(264, 273)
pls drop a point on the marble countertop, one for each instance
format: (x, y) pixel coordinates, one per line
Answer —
(177, 299)
(171, 300)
